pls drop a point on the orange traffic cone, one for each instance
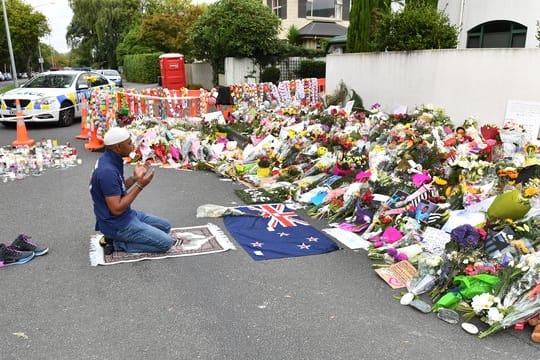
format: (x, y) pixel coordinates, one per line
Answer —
(22, 135)
(94, 143)
(84, 114)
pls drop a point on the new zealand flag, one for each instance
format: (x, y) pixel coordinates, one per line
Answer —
(272, 231)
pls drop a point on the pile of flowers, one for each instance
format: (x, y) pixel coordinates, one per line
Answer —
(374, 173)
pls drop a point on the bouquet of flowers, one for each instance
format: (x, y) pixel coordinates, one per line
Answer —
(523, 309)
(426, 277)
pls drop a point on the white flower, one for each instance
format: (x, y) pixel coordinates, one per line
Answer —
(494, 315)
(482, 302)
(433, 261)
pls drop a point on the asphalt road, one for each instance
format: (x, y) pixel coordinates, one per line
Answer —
(220, 306)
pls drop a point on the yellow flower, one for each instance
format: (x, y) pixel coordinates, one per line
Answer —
(440, 181)
(291, 134)
(529, 192)
(321, 151)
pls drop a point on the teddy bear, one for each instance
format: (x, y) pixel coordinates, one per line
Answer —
(535, 320)
(535, 323)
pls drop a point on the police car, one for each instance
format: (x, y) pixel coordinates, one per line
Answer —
(54, 96)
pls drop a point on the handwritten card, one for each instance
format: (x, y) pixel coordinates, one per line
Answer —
(434, 240)
(397, 275)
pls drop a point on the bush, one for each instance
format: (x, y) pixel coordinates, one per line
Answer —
(415, 28)
(142, 68)
(270, 74)
(312, 69)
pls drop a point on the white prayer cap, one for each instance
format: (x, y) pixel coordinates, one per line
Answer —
(115, 135)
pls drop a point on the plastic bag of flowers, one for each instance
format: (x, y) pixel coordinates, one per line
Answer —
(426, 277)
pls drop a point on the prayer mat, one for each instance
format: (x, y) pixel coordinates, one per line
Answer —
(197, 240)
(273, 231)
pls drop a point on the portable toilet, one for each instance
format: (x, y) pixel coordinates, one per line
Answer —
(173, 71)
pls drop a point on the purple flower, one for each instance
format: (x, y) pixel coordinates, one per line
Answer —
(402, 257)
(392, 252)
(466, 236)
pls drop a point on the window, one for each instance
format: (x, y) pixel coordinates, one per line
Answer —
(279, 8)
(497, 34)
(324, 8)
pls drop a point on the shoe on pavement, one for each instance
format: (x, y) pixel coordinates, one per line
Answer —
(10, 256)
(23, 243)
(107, 245)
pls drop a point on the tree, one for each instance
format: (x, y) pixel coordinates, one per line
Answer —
(415, 28)
(419, 3)
(97, 27)
(293, 36)
(26, 26)
(163, 28)
(235, 28)
(363, 22)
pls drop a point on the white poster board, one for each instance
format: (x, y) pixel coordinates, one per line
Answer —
(526, 113)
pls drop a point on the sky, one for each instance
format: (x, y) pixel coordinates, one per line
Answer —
(59, 16)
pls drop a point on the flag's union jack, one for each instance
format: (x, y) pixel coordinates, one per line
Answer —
(278, 216)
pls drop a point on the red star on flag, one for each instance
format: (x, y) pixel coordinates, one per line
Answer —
(281, 234)
(304, 246)
(311, 239)
(257, 244)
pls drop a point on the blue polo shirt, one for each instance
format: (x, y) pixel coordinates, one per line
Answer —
(108, 180)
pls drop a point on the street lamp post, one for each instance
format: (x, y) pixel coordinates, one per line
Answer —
(40, 60)
(13, 69)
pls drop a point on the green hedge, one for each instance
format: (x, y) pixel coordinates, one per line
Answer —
(142, 68)
(270, 74)
(312, 69)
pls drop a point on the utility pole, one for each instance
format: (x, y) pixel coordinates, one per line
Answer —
(13, 69)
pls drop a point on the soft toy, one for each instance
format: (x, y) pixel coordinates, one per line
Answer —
(535, 320)
(535, 323)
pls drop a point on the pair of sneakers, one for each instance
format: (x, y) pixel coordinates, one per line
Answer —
(21, 251)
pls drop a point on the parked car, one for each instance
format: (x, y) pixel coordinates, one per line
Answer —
(52, 96)
(112, 75)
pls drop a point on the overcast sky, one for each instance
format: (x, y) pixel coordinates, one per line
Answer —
(59, 15)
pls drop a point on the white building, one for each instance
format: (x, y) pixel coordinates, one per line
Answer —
(483, 23)
(494, 23)
(315, 19)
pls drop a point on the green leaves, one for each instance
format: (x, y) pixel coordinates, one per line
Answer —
(239, 28)
(417, 27)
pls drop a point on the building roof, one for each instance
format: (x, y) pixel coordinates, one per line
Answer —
(323, 29)
(340, 39)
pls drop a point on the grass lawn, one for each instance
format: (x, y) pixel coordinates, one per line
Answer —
(3, 89)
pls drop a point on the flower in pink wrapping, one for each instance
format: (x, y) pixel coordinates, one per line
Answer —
(391, 235)
(222, 140)
(341, 172)
(363, 176)
(175, 153)
(421, 178)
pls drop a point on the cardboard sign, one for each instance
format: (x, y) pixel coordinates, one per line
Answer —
(526, 113)
(397, 275)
